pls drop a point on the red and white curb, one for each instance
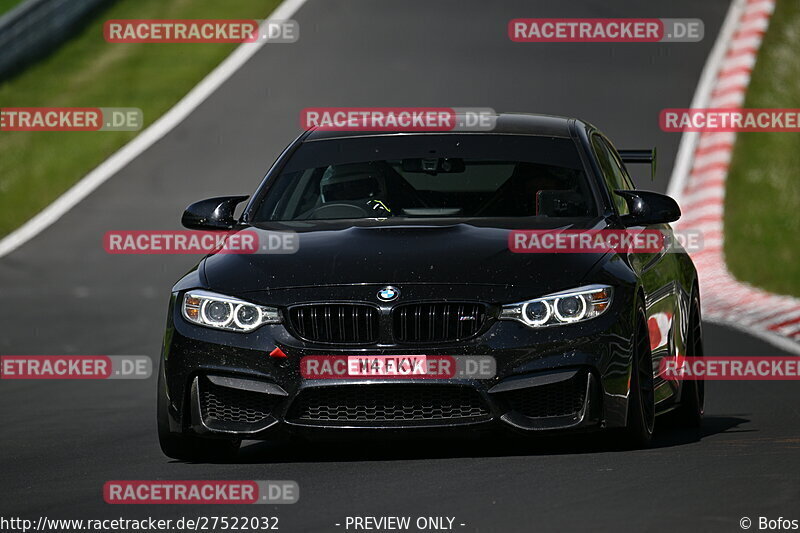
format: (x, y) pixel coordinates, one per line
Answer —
(698, 183)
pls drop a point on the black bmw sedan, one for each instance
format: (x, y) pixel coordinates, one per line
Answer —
(410, 302)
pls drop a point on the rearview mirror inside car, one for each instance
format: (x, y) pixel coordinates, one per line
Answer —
(648, 208)
(434, 165)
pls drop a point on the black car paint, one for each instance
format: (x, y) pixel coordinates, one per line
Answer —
(452, 259)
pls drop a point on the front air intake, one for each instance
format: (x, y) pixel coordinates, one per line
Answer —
(437, 322)
(336, 323)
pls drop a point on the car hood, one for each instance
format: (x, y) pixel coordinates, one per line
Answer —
(462, 253)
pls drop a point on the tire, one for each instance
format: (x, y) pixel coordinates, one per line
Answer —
(189, 447)
(638, 432)
(690, 411)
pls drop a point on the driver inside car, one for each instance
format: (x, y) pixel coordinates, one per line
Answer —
(372, 187)
(361, 185)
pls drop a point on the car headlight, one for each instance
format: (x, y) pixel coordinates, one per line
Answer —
(224, 312)
(566, 307)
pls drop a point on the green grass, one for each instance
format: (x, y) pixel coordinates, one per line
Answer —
(8, 5)
(762, 205)
(36, 167)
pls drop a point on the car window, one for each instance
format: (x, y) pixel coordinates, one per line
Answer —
(614, 172)
(431, 176)
(627, 182)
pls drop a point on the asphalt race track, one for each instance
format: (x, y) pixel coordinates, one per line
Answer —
(62, 294)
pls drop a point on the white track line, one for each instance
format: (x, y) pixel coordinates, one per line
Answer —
(145, 139)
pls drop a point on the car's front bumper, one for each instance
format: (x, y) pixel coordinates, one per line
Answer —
(585, 366)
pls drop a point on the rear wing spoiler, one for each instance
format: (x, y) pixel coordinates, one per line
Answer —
(640, 156)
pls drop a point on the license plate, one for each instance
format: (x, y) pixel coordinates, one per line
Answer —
(383, 366)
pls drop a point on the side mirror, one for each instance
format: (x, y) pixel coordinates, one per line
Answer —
(647, 208)
(212, 214)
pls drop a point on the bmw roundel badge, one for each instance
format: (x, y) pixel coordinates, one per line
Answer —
(387, 294)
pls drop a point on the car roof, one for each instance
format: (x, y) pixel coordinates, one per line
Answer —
(505, 124)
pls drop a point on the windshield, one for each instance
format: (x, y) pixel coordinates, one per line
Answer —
(412, 176)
